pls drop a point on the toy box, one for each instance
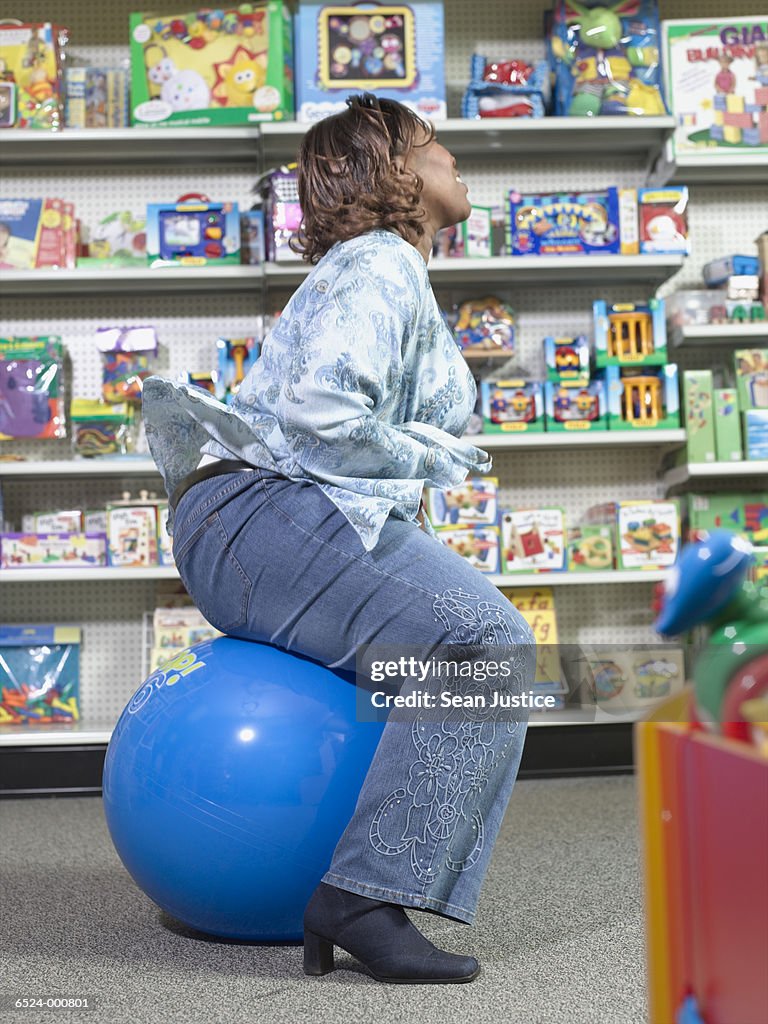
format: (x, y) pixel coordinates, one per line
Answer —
(746, 514)
(696, 306)
(699, 413)
(164, 540)
(533, 540)
(132, 534)
(193, 232)
(663, 220)
(472, 503)
(236, 357)
(95, 520)
(393, 50)
(717, 82)
(537, 606)
(282, 213)
(755, 433)
(590, 548)
(575, 405)
(39, 674)
(727, 426)
(36, 233)
(96, 97)
(509, 88)
(31, 398)
(119, 240)
(605, 58)
(65, 521)
(476, 232)
(643, 399)
(223, 66)
(512, 406)
(563, 224)
(717, 272)
(623, 679)
(30, 75)
(567, 358)
(630, 333)
(485, 327)
(648, 534)
(478, 544)
(751, 367)
(252, 237)
(52, 550)
(126, 355)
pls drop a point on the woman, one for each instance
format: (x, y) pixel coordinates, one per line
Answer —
(303, 526)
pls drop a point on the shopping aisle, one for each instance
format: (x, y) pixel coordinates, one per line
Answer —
(559, 932)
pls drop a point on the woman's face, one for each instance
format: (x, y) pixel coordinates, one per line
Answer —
(444, 195)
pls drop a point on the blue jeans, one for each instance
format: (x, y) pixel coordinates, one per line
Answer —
(270, 559)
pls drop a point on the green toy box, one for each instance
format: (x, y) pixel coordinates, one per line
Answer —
(645, 399)
(630, 333)
(590, 548)
(228, 66)
(751, 368)
(727, 426)
(746, 514)
(698, 409)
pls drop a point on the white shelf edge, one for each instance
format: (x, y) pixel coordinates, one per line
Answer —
(100, 733)
(80, 467)
(724, 334)
(81, 575)
(713, 470)
(554, 579)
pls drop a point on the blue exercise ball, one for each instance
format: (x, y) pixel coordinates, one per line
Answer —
(228, 781)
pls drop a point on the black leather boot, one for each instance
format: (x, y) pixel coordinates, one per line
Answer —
(381, 936)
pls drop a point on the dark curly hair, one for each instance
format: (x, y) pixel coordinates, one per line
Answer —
(348, 183)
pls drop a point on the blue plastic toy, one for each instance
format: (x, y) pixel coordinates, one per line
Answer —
(228, 781)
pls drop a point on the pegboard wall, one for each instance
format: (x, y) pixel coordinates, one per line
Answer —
(721, 220)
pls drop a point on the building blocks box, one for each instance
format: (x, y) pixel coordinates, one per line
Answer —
(512, 406)
(699, 415)
(727, 426)
(473, 503)
(629, 333)
(643, 400)
(224, 66)
(742, 513)
(393, 50)
(52, 550)
(648, 534)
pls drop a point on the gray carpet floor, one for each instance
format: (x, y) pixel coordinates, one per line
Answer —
(559, 931)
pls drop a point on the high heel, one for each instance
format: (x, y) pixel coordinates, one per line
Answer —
(381, 936)
(318, 954)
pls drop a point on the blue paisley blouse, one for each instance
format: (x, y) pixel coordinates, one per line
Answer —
(359, 386)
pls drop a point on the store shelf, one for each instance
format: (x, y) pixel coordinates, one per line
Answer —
(561, 579)
(80, 467)
(719, 334)
(716, 168)
(128, 280)
(133, 146)
(517, 137)
(714, 471)
(157, 572)
(529, 270)
(577, 439)
(66, 734)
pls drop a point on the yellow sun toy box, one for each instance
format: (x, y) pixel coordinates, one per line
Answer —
(231, 66)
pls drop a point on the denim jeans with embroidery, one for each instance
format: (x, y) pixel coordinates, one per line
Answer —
(273, 560)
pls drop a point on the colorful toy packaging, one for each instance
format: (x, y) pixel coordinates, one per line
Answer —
(511, 406)
(119, 240)
(96, 97)
(605, 58)
(630, 333)
(643, 399)
(473, 503)
(252, 237)
(193, 232)
(485, 327)
(509, 88)
(621, 680)
(222, 66)
(699, 411)
(755, 426)
(31, 94)
(236, 357)
(52, 550)
(746, 514)
(575, 405)
(37, 233)
(590, 548)
(663, 220)
(174, 630)
(60, 521)
(282, 212)
(648, 534)
(717, 82)
(99, 428)
(31, 389)
(751, 366)
(393, 50)
(39, 674)
(537, 606)
(564, 224)
(727, 426)
(533, 540)
(132, 532)
(478, 544)
(126, 353)
(567, 358)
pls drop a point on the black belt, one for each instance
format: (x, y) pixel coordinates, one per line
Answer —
(203, 472)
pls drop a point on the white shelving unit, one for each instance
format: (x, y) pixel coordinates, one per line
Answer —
(719, 334)
(709, 169)
(695, 471)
